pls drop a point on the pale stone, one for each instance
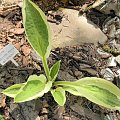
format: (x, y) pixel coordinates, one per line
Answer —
(118, 59)
(75, 30)
(112, 62)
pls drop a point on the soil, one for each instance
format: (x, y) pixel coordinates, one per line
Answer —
(76, 62)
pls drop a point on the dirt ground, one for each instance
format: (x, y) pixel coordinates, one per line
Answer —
(76, 62)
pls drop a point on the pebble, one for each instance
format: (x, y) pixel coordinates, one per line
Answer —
(118, 59)
(118, 73)
(107, 74)
(78, 73)
(44, 111)
(103, 54)
(112, 62)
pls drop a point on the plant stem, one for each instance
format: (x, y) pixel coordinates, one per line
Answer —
(45, 65)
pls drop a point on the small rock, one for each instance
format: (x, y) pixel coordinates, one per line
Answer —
(103, 54)
(117, 46)
(118, 71)
(112, 62)
(44, 111)
(43, 117)
(38, 118)
(67, 118)
(77, 73)
(118, 59)
(117, 76)
(107, 74)
(111, 116)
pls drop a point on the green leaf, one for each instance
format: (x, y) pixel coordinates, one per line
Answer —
(2, 117)
(72, 91)
(100, 91)
(54, 70)
(34, 88)
(97, 90)
(12, 90)
(36, 28)
(59, 95)
(42, 78)
(48, 86)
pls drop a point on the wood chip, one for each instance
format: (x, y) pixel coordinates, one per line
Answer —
(2, 100)
(18, 31)
(26, 50)
(17, 45)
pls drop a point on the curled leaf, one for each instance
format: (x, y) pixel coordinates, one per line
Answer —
(59, 95)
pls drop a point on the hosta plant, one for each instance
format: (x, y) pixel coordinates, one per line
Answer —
(97, 90)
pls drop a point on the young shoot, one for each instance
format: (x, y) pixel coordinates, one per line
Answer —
(97, 90)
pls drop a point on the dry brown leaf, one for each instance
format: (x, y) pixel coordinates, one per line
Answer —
(26, 50)
(18, 31)
(17, 45)
(2, 100)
